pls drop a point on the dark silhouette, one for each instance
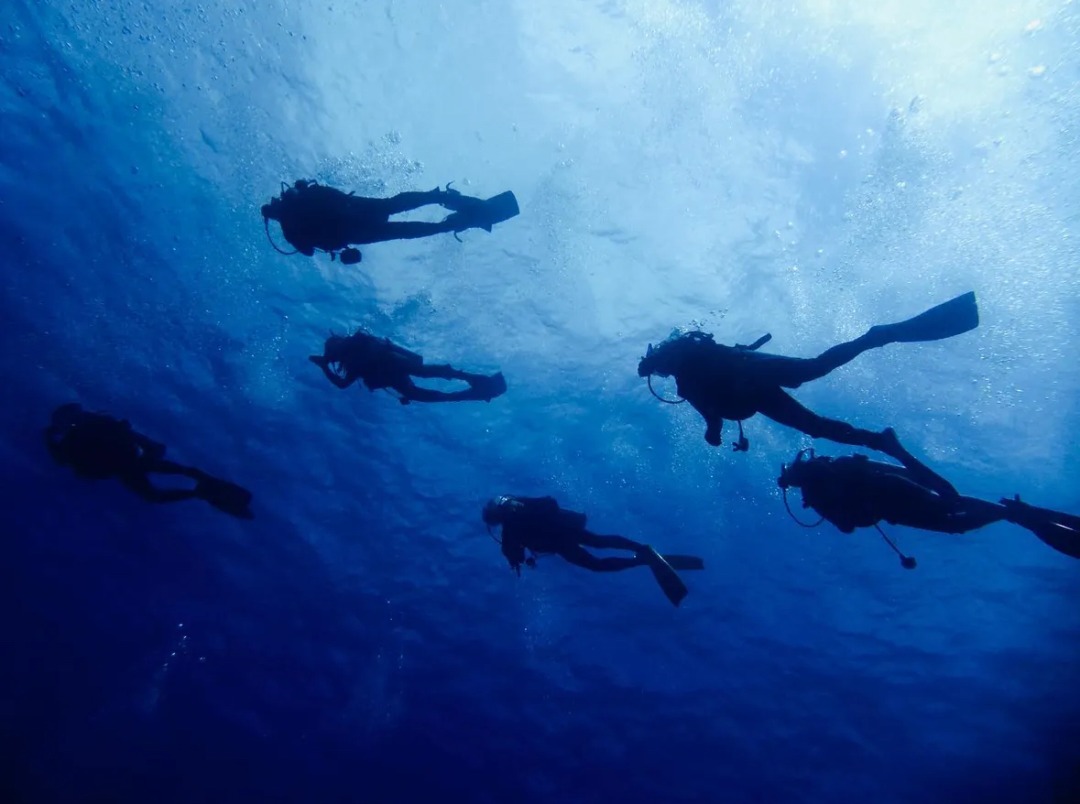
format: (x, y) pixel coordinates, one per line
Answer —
(313, 216)
(379, 363)
(100, 447)
(856, 492)
(538, 525)
(736, 382)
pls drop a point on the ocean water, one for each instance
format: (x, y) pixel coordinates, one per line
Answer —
(805, 168)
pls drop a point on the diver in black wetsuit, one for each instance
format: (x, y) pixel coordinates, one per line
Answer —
(736, 382)
(538, 525)
(856, 492)
(99, 447)
(379, 363)
(313, 216)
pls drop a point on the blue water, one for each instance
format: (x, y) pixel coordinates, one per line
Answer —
(802, 168)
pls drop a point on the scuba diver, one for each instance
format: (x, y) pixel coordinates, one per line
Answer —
(735, 382)
(383, 364)
(538, 525)
(99, 447)
(856, 492)
(313, 216)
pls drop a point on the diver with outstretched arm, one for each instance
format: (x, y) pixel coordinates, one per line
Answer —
(381, 364)
(736, 382)
(855, 492)
(533, 526)
(316, 217)
(99, 447)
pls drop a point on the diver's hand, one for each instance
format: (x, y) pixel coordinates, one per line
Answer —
(712, 436)
(318, 360)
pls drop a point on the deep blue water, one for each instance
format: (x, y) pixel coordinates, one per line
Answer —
(803, 168)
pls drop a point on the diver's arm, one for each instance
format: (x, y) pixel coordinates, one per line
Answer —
(53, 442)
(714, 424)
(513, 550)
(340, 382)
(324, 363)
(296, 241)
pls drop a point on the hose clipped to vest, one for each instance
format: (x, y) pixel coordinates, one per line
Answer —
(266, 226)
(795, 519)
(665, 401)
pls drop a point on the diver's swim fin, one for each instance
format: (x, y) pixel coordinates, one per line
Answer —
(1059, 530)
(226, 496)
(684, 562)
(665, 575)
(487, 388)
(479, 213)
(950, 318)
(1065, 540)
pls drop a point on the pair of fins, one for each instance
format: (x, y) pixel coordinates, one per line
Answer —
(665, 569)
(481, 213)
(489, 387)
(225, 496)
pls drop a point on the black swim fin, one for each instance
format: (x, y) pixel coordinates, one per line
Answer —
(479, 213)
(665, 575)
(487, 388)
(677, 562)
(1065, 540)
(1054, 528)
(226, 496)
(950, 318)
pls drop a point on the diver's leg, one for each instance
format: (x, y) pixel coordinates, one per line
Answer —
(590, 539)
(945, 320)
(783, 409)
(951, 514)
(397, 230)
(411, 392)
(167, 467)
(141, 485)
(791, 372)
(579, 556)
(404, 202)
(441, 371)
(482, 387)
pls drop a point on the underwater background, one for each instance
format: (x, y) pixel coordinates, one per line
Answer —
(806, 168)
